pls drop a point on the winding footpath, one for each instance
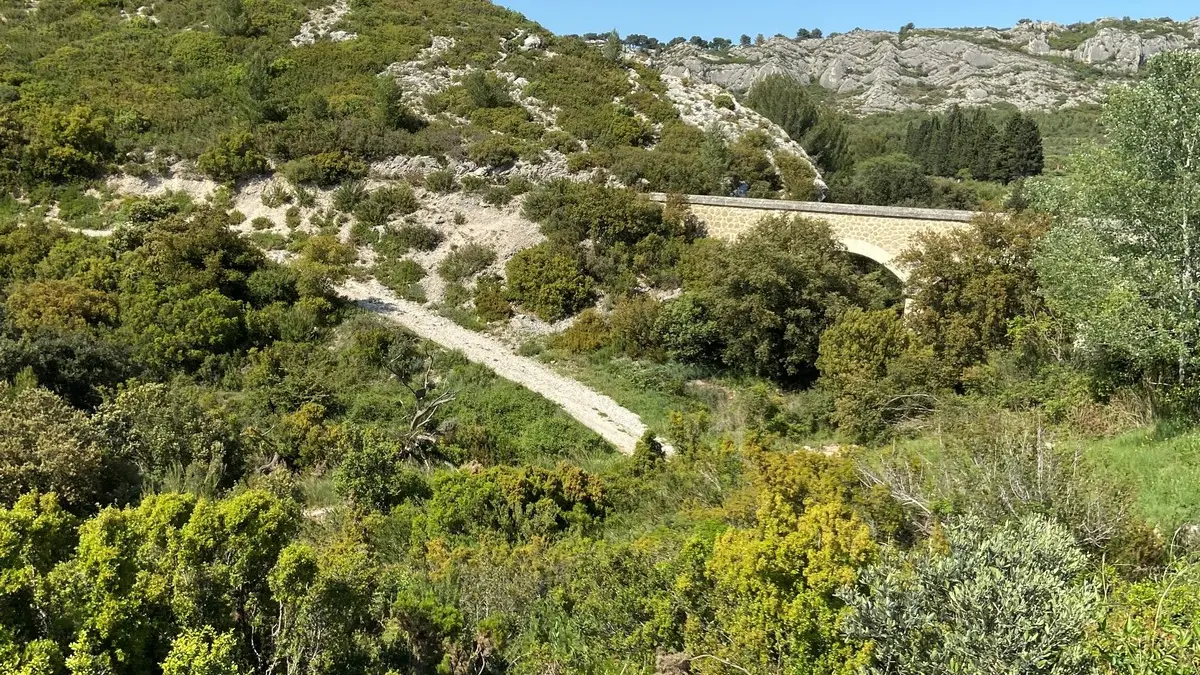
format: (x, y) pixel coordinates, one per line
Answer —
(594, 410)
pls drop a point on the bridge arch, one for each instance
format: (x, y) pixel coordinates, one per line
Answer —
(872, 252)
(879, 233)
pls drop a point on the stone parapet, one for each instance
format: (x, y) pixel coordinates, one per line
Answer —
(877, 232)
(902, 212)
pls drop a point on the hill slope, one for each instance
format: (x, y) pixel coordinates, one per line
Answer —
(1033, 66)
(324, 91)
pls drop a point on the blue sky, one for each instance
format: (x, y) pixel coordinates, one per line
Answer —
(665, 19)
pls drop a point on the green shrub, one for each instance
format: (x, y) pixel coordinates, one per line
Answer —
(633, 320)
(606, 126)
(62, 145)
(460, 218)
(486, 90)
(400, 198)
(518, 185)
(362, 234)
(514, 121)
(349, 195)
(725, 101)
(571, 212)
(373, 213)
(1026, 596)
(516, 502)
(490, 303)
(304, 197)
(275, 195)
(877, 372)
(441, 181)
(379, 207)
(497, 195)
(455, 294)
(889, 180)
(687, 332)
(769, 296)
(969, 285)
(262, 223)
(559, 140)
(474, 184)
(494, 151)
(402, 275)
(798, 177)
(233, 157)
(324, 169)
(463, 317)
(466, 261)
(589, 332)
(292, 217)
(397, 241)
(373, 473)
(548, 282)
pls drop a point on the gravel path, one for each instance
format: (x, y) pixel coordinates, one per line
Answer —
(595, 411)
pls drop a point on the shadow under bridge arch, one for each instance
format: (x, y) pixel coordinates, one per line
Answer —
(875, 254)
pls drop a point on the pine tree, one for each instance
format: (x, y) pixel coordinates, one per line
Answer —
(613, 47)
(1020, 151)
(785, 102)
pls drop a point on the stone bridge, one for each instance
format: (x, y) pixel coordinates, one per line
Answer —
(877, 232)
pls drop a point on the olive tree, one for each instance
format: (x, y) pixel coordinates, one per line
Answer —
(977, 600)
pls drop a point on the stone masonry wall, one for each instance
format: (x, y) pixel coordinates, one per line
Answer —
(879, 233)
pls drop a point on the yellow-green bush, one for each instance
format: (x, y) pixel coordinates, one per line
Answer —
(589, 332)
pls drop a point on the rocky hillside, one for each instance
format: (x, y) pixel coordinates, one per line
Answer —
(1033, 65)
(326, 91)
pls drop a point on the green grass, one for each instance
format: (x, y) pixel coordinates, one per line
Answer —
(648, 389)
(734, 404)
(1166, 472)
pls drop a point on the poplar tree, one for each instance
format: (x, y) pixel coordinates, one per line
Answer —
(1121, 263)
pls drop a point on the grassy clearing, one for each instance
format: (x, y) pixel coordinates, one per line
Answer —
(1166, 471)
(651, 390)
(733, 405)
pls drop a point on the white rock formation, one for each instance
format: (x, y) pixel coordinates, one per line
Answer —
(879, 71)
(321, 22)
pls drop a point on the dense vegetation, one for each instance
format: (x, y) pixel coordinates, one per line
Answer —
(961, 159)
(213, 465)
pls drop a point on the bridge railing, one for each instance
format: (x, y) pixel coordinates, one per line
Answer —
(903, 212)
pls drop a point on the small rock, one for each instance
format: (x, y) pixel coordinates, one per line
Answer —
(672, 664)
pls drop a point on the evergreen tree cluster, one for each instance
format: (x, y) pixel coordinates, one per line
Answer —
(967, 140)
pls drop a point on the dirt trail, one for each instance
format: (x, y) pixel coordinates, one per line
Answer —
(595, 411)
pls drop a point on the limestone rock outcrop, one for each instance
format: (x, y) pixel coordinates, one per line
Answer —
(1033, 65)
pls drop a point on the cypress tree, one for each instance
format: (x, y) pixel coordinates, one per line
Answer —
(922, 145)
(958, 142)
(983, 162)
(941, 147)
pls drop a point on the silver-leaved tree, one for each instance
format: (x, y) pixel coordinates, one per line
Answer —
(1121, 264)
